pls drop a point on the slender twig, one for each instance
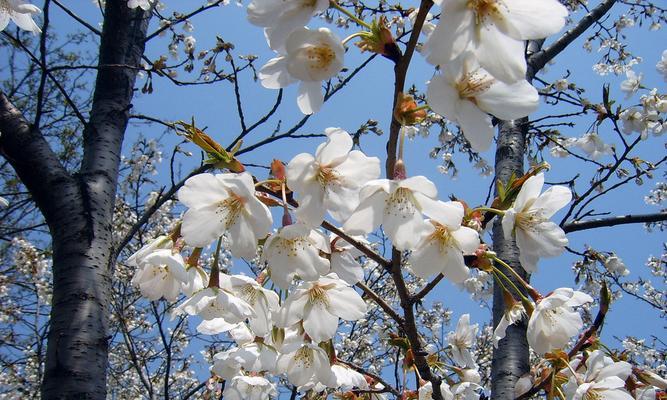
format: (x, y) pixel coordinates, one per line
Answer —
(613, 221)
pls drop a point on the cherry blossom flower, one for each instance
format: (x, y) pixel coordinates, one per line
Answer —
(494, 30)
(615, 265)
(21, 13)
(224, 203)
(310, 56)
(592, 145)
(282, 17)
(319, 305)
(466, 92)
(632, 83)
(426, 391)
(243, 387)
(343, 259)
(442, 249)
(461, 340)
(295, 251)
(213, 303)
(161, 271)
(528, 219)
(305, 363)
(143, 4)
(332, 179)
(348, 379)
(554, 321)
(253, 357)
(604, 380)
(196, 280)
(514, 314)
(397, 205)
(264, 302)
(661, 66)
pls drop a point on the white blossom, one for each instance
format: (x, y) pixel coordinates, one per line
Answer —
(295, 251)
(442, 249)
(319, 305)
(661, 66)
(282, 17)
(631, 84)
(554, 321)
(495, 31)
(309, 56)
(461, 340)
(330, 180)
(397, 205)
(243, 387)
(21, 13)
(465, 93)
(592, 144)
(528, 219)
(224, 203)
(604, 379)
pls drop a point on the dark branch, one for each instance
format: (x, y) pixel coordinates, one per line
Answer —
(613, 221)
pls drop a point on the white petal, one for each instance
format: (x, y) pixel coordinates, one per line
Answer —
(509, 101)
(443, 98)
(346, 303)
(552, 200)
(368, 215)
(310, 97)
(336, 149)
(452, 35)
(476, 126)
(426, 259)
(318, 323)
(201, 226)
(202, 190)
(300, 171)
(274, 75)
(420, 184)
(449, 214)
(532, 20)
(500, 54)
(467, 239)
(529, 190)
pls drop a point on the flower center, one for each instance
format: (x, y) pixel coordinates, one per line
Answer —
(249, 294)
(443, 236)
(400, 203)
(320, 57)
(231, 208)
(592, 394)
(305, 356)
(485, 9)
(308, 4)
(327, 176)
(317, 295)
(528, 220)
(291, 246)
(473, 84)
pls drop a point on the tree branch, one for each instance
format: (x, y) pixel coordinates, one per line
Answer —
(613, 221)
(538, 60)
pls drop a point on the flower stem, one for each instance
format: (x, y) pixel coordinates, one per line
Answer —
(531, 290)
(500, 274)
(491, 210)
(349, 14)
(214, 279)
(352, 36)
(264, 182)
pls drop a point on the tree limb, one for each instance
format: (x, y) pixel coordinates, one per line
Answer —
(613, 221)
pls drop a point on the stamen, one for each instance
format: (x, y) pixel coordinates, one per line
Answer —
(320, 57)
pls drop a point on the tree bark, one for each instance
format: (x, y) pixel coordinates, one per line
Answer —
(510, 359)
(78, 209)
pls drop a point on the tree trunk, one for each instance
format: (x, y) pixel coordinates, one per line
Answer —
(510, 359)
(78, 209)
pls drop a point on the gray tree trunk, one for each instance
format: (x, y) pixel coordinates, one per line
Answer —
(78, 209)
(510, 359)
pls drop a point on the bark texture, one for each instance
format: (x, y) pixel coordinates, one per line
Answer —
(78, 208)
(510, 359)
